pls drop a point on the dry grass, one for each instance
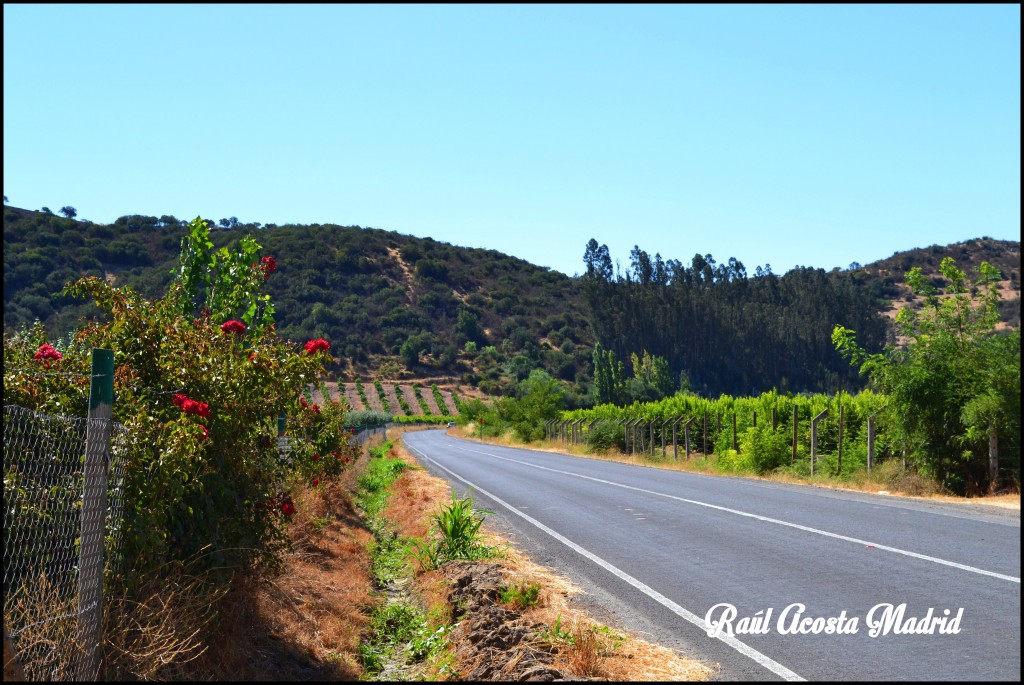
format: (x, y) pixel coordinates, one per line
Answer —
(47, 647)
(159, 633)
(307, 622)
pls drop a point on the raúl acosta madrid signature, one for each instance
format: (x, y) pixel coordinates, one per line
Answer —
(881, 619)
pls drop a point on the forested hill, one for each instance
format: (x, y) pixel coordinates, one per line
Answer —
(398, 306)
(389, 303)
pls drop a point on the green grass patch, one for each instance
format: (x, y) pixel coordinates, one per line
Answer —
(520, 595)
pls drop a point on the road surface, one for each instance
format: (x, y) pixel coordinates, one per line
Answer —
(800, 582)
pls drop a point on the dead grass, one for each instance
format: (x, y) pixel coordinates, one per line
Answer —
(305, 623)
(46, 644)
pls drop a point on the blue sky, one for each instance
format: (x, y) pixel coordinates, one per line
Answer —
(782, 135)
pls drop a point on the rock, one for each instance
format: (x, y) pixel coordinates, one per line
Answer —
(497, 640)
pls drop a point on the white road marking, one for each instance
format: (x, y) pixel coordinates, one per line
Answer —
(765, 661)
(896, 550)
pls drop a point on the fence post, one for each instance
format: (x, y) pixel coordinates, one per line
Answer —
(686, 435)
(94, 511)
(839, 460)
(814, 436)
(795, 420)
(705, 434)
(734, 445)
(871, 442)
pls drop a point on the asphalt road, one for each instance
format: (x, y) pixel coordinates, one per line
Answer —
(655, 550)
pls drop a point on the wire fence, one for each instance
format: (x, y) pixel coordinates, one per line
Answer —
(63, 513)
(63, 507)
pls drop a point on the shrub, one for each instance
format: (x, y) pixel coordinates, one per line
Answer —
(606, 434)
(766, 449)
(199, 402)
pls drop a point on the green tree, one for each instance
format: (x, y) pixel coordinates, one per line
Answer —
(69, 211)
(653, 372)
(955, 383)
(609, 376)
(540, 398)
(411, 349)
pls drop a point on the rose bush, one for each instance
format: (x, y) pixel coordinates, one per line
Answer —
(200, 379)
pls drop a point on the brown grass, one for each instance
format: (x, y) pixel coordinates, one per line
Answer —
(305, 623)
(46, 646)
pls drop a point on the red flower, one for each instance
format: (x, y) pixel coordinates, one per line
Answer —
(316, 481)
(302, 401)
(46, 351)
(316, 409)
(316, 457)
(287, 508)
(179, 400)
(318, 345)
(252, 357)
(233, 326)
(206, 433)
(190, 406)
(269, 264)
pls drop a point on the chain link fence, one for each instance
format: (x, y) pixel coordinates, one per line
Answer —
(54, 547)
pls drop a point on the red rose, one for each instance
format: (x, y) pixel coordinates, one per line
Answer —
(288, 508)
(46, 351)
(269, 264)
(316, 481)
(316, 457)
(318, 345)
(190, 406)
(302, 402)
(179, 400)
(233, 326)
(206, 433)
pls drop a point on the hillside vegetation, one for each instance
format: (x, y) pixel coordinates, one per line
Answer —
(402, 308)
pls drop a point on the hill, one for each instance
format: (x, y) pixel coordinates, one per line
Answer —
(390, 304)
(403, 308)
(1002, 254)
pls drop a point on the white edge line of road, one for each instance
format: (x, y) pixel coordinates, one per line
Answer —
(766, 519)
(765, 661)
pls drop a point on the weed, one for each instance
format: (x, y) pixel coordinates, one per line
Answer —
(321, 522)
(458, 525)
(583, 645)
(520, 596)
(388, 556)
(556, 635)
